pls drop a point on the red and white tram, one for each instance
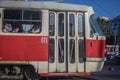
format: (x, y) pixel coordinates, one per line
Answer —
(49, 38)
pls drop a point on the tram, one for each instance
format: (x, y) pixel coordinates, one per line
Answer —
(49, 39)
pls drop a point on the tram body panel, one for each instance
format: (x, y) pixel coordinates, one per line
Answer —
(28, 48)
(93, 47)
(93, 60)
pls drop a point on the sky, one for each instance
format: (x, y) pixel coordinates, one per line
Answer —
(108, 8)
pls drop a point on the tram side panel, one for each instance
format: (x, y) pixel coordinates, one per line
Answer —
(23, 48)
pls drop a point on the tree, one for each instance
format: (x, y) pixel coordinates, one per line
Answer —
(105, 27)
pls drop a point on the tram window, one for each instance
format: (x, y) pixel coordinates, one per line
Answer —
(32, 15)
(80, 25)
(61, 25)
(72, 25)
(81, 50)
(72, 51)
(18, 19)
(13, 14)
(51, 24)
(61, 50)
(51, 50)
(95, 29)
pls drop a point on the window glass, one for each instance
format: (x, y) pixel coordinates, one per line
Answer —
(72, 51)
(14, 23)
(61, 50)
(31, 27)
(51, 50)
(13, 14)
(80, 25)
(71, 25)
(95, 29)
(81, 50)
(32, 15)
(51, 24)
(61, 25)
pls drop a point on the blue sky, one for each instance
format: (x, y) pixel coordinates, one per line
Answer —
(108, 8)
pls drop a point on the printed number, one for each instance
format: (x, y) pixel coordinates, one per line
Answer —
(44, 40)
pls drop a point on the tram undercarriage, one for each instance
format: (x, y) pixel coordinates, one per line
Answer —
(20, 72)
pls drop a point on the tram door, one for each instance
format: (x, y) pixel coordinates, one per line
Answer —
(65, 41)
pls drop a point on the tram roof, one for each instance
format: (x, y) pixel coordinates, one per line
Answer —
(45, 5)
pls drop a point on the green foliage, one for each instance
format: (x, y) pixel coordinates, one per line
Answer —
(104, 25)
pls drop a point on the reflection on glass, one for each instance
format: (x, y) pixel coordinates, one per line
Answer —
(61, 25)
(81, 50)
(80, 25)
(51, 24)
(72, 51)
(95, 29)
(92, 30)
(51, 50)
(71, 25)
(61, 50)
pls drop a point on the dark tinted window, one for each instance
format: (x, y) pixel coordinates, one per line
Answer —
(61, 50)
(51, 50)
(13, 14)
(32, 15)
(72, 51)
(81, 50)
(61, 24)
(71, 25)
